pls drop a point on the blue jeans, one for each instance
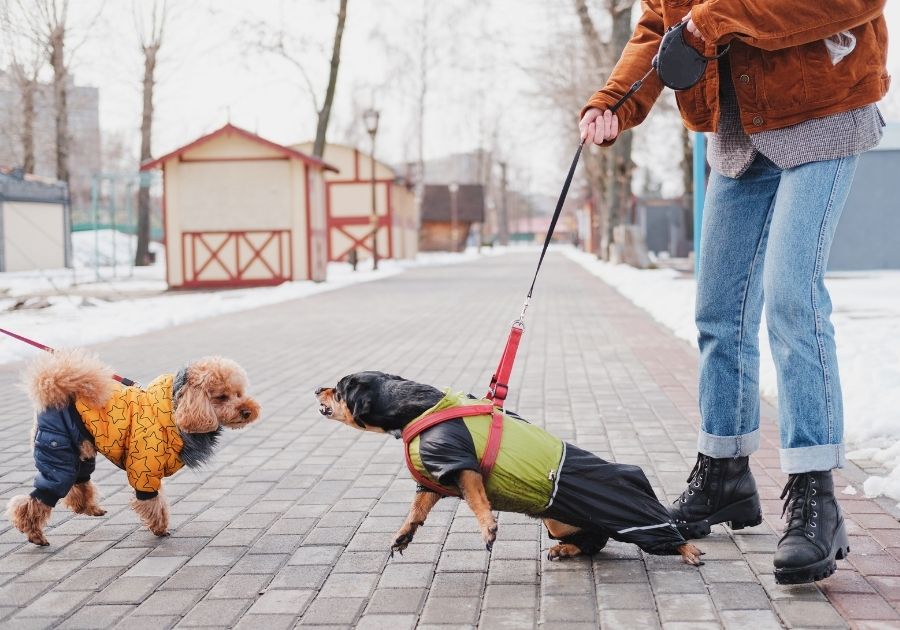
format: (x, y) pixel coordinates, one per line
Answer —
(766, 238)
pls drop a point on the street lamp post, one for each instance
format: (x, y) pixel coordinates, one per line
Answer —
(454, 214)
(370, 118)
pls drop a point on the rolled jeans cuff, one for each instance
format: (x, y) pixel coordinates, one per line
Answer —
(723, 446)
(812, 458)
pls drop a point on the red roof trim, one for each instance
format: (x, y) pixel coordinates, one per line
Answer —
(229, 128)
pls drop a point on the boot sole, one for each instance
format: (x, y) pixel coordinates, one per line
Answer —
(817, 570)
(745, 513)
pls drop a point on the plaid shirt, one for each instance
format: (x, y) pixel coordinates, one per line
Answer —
(731, 150)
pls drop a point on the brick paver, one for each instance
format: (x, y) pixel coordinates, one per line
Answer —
(290, 524)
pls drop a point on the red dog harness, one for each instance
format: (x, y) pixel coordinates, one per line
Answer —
(492, 448)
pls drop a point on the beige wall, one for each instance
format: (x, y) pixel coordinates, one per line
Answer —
(350, 199)
(34, 236)
(344, 159)
(235, 183)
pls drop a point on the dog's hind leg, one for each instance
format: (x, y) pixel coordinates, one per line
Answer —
(418, 512)
(83, 498)
(471, 484)
(559, 530)
(574, 541)
(29, 516)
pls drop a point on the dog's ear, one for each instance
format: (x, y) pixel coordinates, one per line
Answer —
(357, 394)
(194, 412)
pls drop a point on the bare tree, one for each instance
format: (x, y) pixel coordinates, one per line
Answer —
(26, 60)
(295, 51)
(150, 34)
(325, 111)
(45, 24)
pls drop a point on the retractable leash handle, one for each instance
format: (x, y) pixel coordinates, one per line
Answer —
(127, 382)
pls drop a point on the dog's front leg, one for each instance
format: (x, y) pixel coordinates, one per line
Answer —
(154, 513)
(471, 484)
(418, 512)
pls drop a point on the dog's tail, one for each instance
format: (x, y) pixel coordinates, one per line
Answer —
(54, 379)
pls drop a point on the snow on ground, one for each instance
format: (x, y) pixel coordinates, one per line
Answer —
(90, 305)
(866, 318)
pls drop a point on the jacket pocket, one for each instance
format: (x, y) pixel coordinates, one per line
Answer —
(54, 449)
(783, 80)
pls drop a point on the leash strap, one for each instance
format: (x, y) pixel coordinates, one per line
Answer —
(127, 382)
(491, 450)
(499, 387)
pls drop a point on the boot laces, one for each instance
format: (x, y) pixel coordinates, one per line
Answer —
(698, 477)
(799, 500)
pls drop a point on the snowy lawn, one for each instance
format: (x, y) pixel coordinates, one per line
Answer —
(867, 327)
(84, 309)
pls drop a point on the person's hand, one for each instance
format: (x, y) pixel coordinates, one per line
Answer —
(691, 27)
(598, 126)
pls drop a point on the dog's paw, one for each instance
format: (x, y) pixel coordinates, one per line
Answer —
(94, 510)
(691, 554)
(38, 539)
(489, 534)
(162, 533)
(563, 550)
(401, 542)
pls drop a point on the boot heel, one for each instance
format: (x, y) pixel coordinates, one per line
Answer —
(842, 542)
(753, 522)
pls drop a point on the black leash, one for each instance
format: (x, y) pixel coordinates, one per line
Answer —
(565, 191)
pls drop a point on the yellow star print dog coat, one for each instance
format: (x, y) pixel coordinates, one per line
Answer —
(136, 432)
(134, 429)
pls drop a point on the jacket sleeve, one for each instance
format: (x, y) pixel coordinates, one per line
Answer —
(636, 59)
(777, 24)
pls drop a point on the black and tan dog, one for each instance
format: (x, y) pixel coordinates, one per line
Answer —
(583, 500)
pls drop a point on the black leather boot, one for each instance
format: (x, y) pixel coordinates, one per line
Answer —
(814, 535)
(719, 491)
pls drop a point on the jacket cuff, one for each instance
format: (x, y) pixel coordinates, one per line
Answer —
(145, 496)
(45, 497)
(711, 34)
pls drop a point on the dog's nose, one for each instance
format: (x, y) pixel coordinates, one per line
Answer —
(319, 390)
(245, 413)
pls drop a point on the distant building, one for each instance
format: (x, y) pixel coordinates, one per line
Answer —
(348, 203)
(868, 233)
(665, 225)
(34, 223)
(448, 217)
(239, 210)
(84, 129)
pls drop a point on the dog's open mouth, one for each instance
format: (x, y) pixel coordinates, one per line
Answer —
(325, 410)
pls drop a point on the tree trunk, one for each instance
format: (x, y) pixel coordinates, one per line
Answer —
(28, 88)
(325, 112)
(60, 90)
(620, 164)
(142, 251)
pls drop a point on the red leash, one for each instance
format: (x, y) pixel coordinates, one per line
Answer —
(499, 387)
(31, 342)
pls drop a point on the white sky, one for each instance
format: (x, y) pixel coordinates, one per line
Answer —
(480, 86)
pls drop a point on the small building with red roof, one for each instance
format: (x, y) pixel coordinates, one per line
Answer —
(348, 202)
(240, 210)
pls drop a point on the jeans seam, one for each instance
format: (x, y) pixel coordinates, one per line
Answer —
(829, 405)
(762, 238)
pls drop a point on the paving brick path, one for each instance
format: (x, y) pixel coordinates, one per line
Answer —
(291, 523)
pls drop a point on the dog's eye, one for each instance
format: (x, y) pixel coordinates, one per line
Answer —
(222, 397)
(337, 397)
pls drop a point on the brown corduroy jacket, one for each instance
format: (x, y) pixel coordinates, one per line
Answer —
(780, 66)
